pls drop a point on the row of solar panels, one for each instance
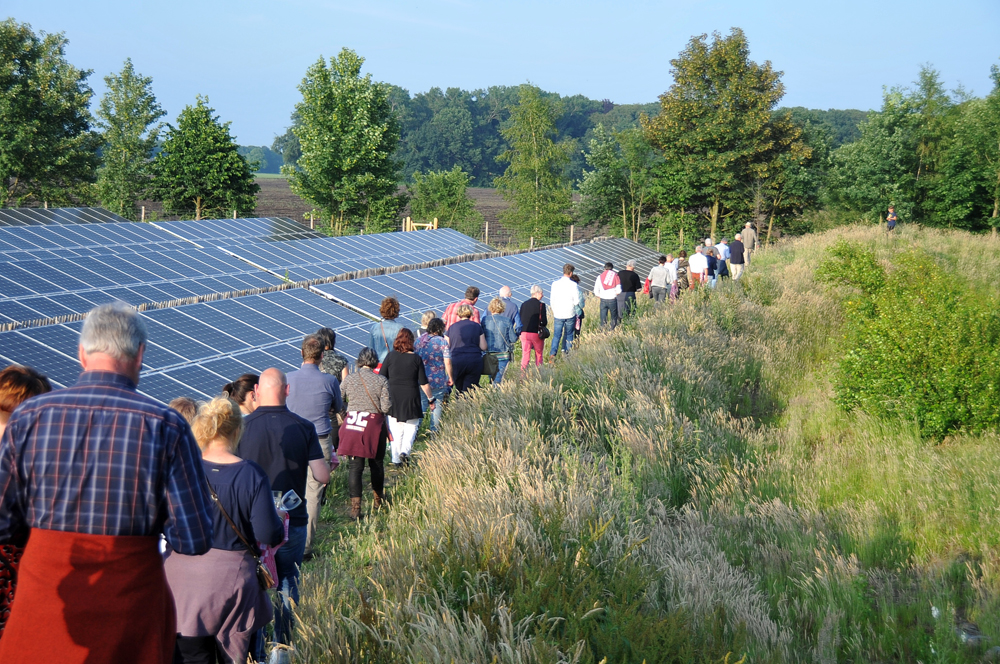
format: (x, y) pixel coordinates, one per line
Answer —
(59, 216)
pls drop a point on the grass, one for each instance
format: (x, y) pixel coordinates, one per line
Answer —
(682, 489)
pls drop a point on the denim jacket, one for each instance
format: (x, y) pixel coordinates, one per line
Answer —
(500, 336)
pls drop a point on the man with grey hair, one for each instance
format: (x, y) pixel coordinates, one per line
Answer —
(749, 238)
(534, 317)
(97, 472)
(630, 284)
(737, 257)
(510, 308)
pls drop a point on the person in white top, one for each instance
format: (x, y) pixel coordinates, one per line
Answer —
(699, 267)
(659, 280)
(563, 300)
(607, 287)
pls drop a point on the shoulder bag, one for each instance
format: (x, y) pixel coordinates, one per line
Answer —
(263, 574)
(543, 331)
(491, 361)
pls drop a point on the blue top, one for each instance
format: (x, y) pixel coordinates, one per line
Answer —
(311, 393)
(282, 444)
(102, 459)
(500, 336)
(245, 494)
(512, 311)
(380, 343)
(463, 338)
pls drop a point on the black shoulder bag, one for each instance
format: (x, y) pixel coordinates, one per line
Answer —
(263, 575)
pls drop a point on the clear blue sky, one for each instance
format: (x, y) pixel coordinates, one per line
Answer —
(248, 56)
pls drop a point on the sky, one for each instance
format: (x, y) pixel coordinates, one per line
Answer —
(249, 56)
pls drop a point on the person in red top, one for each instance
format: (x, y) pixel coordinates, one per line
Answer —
(451, 313)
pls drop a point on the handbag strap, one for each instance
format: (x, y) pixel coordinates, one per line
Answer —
(218, 503)
(384, 339)
(370, 397)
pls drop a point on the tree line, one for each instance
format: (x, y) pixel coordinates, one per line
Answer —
(715, 151)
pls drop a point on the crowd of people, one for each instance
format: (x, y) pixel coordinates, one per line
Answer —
(134, 531)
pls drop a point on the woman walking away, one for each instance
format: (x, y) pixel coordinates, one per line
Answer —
(467, 341)
(424, 321)
(580, 314)
(405, 373)
(220, 602)
(683, 267)
(363, 434)
(384, 332)
(16, 385)
(533, 318)
(433, 350)
(242, 392)
(333, 363)
(500, 337)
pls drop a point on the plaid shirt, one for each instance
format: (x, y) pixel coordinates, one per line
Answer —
(100, 458)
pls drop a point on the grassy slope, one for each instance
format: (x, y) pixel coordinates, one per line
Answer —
(679, 490)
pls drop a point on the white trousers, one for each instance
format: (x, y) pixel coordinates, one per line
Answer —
(404, 432)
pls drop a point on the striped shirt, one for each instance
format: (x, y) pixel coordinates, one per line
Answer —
(101, 459)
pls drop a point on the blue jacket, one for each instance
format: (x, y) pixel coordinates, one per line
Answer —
(383, 344)
(500, 335)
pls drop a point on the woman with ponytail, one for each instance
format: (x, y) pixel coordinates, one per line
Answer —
(220, 602)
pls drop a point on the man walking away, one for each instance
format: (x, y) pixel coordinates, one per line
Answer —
(749, 237)
(285, 445)
(451, 313)
(630, 284)
(890, 219)
(659, 281)
(606, 288)
(510, 309)
(699, 267)
(722, 253)
(313, 395)
(736, 256)
(96, 472)
(563, 300)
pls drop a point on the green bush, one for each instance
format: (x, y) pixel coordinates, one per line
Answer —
(922, 343)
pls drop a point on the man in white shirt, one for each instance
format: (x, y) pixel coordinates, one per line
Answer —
(699, 267)
(607, 287)
(564, 297)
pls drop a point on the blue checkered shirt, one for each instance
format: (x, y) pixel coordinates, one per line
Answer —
(102, 459)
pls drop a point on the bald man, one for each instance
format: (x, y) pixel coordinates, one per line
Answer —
(285, 446)
(511, 309)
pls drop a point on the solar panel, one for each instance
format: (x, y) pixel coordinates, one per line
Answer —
(236, 231)
(50, 216)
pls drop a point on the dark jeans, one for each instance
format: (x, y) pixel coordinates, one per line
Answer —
(562, 335)
(197, 650)
(626, 305)
(288, 560)
(466, 370)
(356, 468)
(609, 313)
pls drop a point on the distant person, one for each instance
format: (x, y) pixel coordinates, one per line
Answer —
(659, 281)
(186, 406)
(737, 256)
(404, 370)
(384, 332)
(749, 238)
(630, 284)
(242, 392)
(713, 265)
(699, 267)
(511, 309)
(564, 297)
(890, 219)
(466, 342)
(17, 384)
(314, 395)
(220, 603)
(365, 431)
(433, 350)
(451, 315)
(68, 472)
(286, 447)
(500, 337)
(607, 286)
(533, 317)
(683, 272)
(333, 362)
(722, 253)
(424, 320)
(671, 266)
(580, 313)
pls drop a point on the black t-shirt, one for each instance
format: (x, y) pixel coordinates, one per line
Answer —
(245, 494)
(282, 444)
(405, 373)
(630, 281)
(533, 315)
(736, 252)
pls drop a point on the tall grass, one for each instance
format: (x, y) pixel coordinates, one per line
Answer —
(680, 490)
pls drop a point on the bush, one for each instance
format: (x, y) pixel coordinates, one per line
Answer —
(922, 343)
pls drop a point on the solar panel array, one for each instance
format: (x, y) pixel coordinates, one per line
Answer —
(45, 217)
(231, 232)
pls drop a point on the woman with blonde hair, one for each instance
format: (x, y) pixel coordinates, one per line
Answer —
(424, 321)
(500, 340)
(219, 600)
(466, 342)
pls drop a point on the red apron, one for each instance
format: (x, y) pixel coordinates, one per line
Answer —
(90, 598)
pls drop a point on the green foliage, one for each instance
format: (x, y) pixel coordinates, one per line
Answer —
(840, 126)
(261, 158)
(442, 195)
(48, 151)
(126, 115)
(534, 181)
(347, 134)
(199, 169)
(923, 345)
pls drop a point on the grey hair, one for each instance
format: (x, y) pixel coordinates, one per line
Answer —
(367, 358)
(536, 289)
(739, 236)
(631, 263)
(114, 329)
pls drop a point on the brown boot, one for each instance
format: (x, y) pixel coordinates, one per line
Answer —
(379, 501)
(355, 512)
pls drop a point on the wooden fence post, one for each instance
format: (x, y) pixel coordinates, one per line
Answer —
(572, 227)
(143, 217)
(532, 245)
(435, 222)
(657, 240)
(487, 239)
(234, 214)
(312, 222)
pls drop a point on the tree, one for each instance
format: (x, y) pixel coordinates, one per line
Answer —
(48, 151)
(126, 115)
(347, 135)
(199, 168)
(716, 123)
(442, 195)
(534, 181)
(987, 150)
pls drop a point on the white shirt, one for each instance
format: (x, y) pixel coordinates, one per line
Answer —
(698, 263)
(564, 297)
(606, 293)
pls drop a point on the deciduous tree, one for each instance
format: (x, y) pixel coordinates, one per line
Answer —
(443, 195)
